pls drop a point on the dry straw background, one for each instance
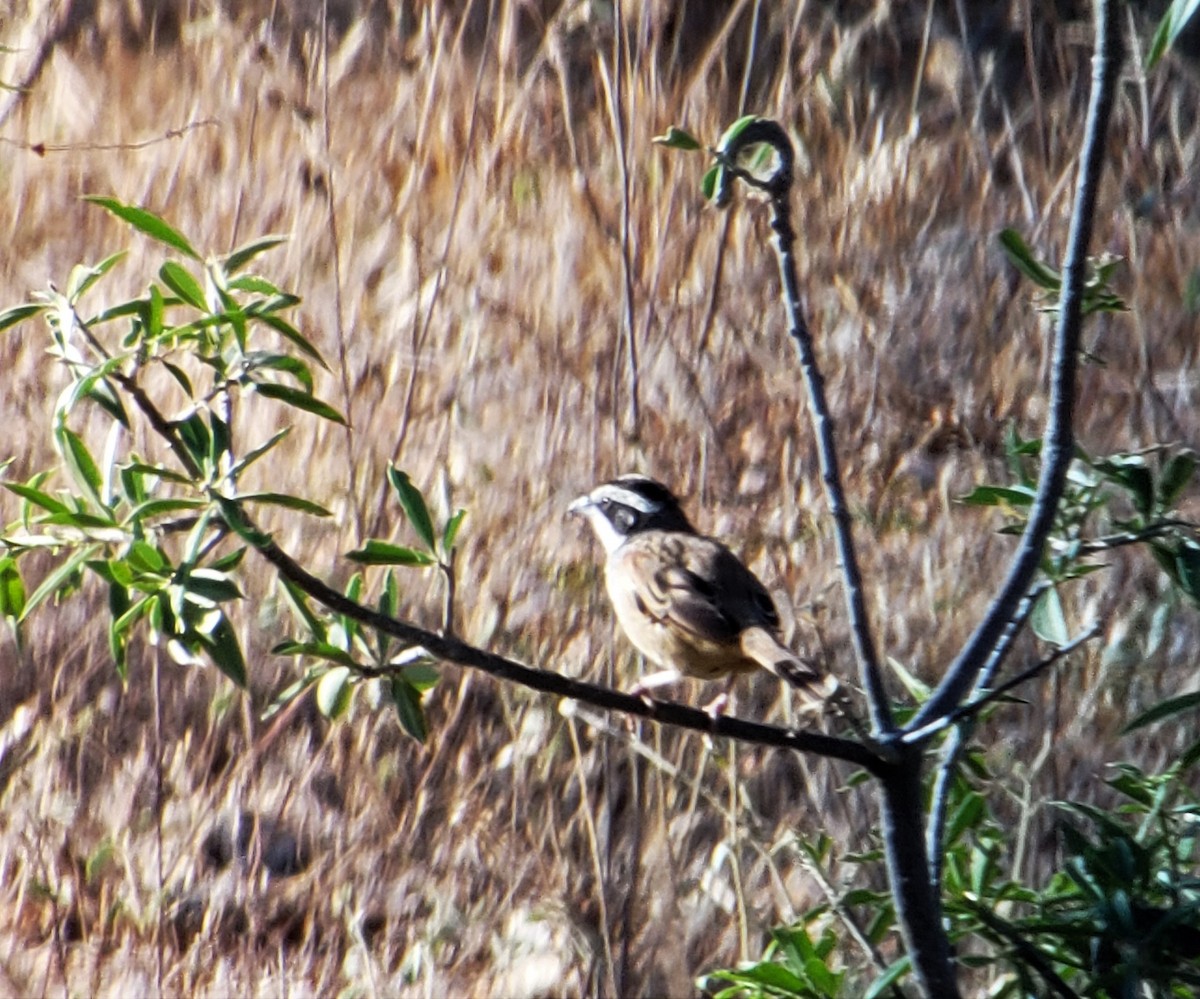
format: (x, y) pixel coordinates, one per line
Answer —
(469, 190)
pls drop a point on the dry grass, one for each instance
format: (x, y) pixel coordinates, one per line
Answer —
(476, 320)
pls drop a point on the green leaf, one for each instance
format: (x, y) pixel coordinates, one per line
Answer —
(290, 333)
(383, 553)
(157, 507)
(258, 360)
(1021, 257)
(316, 650)
(1131, 474)
(708, 183)
(423, 676)
(12, 589)
(211, 585)
(735, 130)
(1169, 28)
(998, 496)
(287, 502)
(223, 648)
(918, 689)
(890, 977)
(334, 692)
(677, 138)
(407, 700)
(79, 460)
(413, 504)
(1176, 474)
(82, 278)
(19, 313)
(146, 222)
(36, 497)
(1187, 566)
(1165, 709)
(63, 577)
(239, 258)
(253, 456)
(179, 279)
(451, 533)
(301, 400)
(1047, 619)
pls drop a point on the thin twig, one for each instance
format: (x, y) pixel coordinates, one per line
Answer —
(973, 707)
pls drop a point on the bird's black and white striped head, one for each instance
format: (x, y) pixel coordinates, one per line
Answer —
(630, 505)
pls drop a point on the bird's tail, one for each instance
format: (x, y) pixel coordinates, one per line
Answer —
(765, 649)
(819, 689)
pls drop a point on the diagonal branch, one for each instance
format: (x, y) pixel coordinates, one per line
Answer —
(1059, 436)
(451, 649)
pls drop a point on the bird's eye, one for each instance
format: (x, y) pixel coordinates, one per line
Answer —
(624, 519)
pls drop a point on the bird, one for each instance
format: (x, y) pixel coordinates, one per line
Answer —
(683, 599)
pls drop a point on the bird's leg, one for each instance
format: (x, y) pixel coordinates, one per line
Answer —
(716, 707)
(653, 681)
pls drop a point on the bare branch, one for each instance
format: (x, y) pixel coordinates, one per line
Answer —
(1060, 433)
(779, 185)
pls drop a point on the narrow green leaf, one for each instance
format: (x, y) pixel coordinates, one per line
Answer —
(223, 648)
(288, 502)
(1023, 259)
(254, 284)
(294, 336)
(157, 507)
(413, 504)
(383, 553)
(407, 700)
(1169, 28)
(301, 400)
(80, 462)
(316, 650)
(65, 576)
(390, 597)
(333, 692)
(708, 183)
(735, 130)
(194, 434)
(82, 278)
(239, 258)
(19, 313)
(1047, 619)
(677, 138)
(36, 497)
(896, 971)
(252, 456)
(998, 496)
(450, 535)
(180, 280)
(210, 585)
(257, 360)
(146, 222)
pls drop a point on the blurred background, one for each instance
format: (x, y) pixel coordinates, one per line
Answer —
(519, 295)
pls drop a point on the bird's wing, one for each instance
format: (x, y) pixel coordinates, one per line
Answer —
(699, 585)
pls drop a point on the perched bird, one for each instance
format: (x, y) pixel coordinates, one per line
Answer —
(685, 600)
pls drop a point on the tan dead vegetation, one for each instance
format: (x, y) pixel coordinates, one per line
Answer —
(476, 318)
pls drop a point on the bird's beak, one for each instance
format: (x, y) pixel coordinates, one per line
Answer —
(579, 505)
